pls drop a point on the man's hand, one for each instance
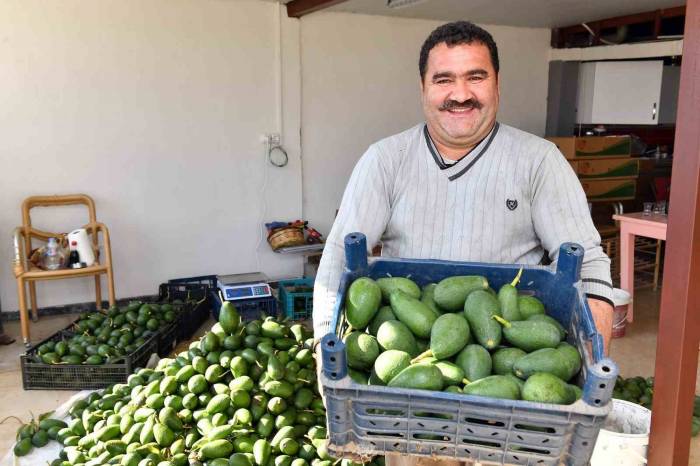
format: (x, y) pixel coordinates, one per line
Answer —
(603, 318)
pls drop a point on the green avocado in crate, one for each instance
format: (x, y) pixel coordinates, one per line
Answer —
(368, 420)
(296, 297)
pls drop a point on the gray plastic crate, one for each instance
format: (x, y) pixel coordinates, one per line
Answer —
(369, 420)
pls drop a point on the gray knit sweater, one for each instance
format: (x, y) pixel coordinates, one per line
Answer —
(513, 199)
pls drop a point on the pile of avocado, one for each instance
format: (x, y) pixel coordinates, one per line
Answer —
(641, 391)
(37, 433)
(103, 336)
(635, 389)
(245, 394)
(460, 336)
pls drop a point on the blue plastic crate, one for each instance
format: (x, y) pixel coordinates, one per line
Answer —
(369, 420)
(249, 309)
(296, 304)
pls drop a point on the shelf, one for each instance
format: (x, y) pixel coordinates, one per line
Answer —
(306, 249)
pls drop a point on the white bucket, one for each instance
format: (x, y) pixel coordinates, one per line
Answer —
(621, 299)
(624, 438)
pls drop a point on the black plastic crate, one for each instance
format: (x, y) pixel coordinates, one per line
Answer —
(249, 309)
(41, 376)
(193, 314)
(167, 338)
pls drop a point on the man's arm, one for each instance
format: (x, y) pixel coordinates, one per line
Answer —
(365, 208)
(603, 318)
(560, 214)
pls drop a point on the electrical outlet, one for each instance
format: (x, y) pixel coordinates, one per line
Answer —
(271, 139)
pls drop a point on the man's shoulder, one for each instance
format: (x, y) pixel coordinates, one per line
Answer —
(399, 142)
(526, 144)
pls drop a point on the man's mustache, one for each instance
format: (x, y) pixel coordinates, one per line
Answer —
(468, 104)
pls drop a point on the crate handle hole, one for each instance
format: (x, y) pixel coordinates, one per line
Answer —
(606, 369)
(597, 402)
(385, 412)
(528, 450)
(585, 444)
(387, 434)
(481, 442)
(332, 358)
(485, 422)
(334, 374)
(447, 417)
(538, 429)
(601, 385)
(431, 437)
(331, 343)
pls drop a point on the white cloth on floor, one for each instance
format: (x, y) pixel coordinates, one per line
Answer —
(50, 451)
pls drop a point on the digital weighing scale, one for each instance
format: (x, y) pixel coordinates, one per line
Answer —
(239, 286)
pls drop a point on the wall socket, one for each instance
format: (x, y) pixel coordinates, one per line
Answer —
(271, 139)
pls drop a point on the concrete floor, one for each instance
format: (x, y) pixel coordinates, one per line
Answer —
(634, 353)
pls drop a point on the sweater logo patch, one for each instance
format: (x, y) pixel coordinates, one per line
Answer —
(512, 204)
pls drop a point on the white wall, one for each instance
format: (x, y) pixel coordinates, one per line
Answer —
(155, 108)
(360, 83)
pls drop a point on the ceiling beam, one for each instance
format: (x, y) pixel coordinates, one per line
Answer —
(299, 8)
(561, 35)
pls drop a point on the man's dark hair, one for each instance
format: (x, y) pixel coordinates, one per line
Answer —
(456, 33)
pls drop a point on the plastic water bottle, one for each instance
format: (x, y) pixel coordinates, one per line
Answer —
(53, 257)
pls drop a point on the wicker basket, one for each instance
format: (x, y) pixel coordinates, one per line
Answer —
(287, 236)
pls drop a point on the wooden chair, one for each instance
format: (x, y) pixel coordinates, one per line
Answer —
(27, 272)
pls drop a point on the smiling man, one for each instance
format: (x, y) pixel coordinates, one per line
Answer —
(463, 186)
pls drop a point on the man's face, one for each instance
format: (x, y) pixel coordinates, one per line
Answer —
(459, 94)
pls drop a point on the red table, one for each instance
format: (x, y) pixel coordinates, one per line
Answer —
(631, 225)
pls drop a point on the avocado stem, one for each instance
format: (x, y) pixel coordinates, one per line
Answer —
(502, 321)
(423, 355)
(516, 280)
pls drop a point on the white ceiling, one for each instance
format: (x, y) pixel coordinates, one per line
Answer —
(524, 13)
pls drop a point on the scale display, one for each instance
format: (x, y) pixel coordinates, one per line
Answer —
(243, 286)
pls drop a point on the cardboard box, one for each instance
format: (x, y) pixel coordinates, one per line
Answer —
(619, 167)
(596, 147)
(610, 190)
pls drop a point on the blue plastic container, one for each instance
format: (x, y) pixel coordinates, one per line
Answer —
(296, 304)
(249, 309)
(369, 420)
